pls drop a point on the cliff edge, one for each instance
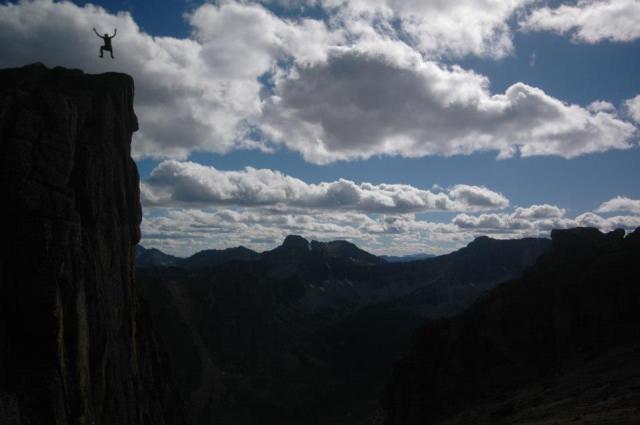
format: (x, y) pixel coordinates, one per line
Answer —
(75, 344)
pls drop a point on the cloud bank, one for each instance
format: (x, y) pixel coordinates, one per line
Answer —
(185, 230)
(359, 104)
(365, 80)
(589, 21)
(190, 206)
(174, 183)
(620, 203)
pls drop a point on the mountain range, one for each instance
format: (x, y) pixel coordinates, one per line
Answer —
(153, 257)
(308, 332)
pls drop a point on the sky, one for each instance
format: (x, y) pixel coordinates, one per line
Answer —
(403, 126)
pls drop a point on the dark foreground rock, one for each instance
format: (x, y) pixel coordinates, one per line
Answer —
(559, 345)
(75, 343)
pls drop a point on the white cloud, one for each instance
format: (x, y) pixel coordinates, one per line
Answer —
(435, 28)
(539, 220)
(633, 108)
(589, 21)
(384, 101)
(539, 212)
(628, 223)
(490, 223)
(188, 183)
(601, 106)
(199, 93)
(365, 83)
(477, 197)
(620, 203)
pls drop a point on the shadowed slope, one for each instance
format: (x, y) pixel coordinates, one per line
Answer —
(559, 344)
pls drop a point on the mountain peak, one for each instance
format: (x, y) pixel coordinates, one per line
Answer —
(483, 239)
(216, 257)
(296, 242)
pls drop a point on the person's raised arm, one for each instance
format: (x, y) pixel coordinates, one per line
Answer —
(94, 30)
(115, 31)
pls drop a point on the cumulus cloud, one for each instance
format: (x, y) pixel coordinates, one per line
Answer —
(601, 106)
(620, 203)
(626, 222)
(198, 93)
(363, 81)
(359, 104)
(589, 21)
(539, 212)
(633, 108)
(435, 28)
(188, 183)
(492, 223)
(540, 219)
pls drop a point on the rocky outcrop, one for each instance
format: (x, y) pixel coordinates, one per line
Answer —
(558, 345)
(75, 343)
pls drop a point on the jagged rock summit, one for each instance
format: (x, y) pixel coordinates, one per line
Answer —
(75, 343)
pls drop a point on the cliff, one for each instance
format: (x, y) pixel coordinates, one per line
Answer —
(75, 343)
(558, 345)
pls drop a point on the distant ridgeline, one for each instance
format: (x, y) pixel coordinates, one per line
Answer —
(307, 333)
(208, 258)
(75, 342)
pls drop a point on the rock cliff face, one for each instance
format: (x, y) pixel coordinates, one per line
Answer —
(75, 344)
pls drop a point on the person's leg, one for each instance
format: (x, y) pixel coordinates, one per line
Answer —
(101, 51)
(111, 51)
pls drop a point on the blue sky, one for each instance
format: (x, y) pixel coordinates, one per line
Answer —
(560, 56)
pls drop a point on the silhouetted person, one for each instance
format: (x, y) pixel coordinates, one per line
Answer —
(107, 42)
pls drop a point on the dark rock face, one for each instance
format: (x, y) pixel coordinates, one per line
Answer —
(75, 345)
(558, 345)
